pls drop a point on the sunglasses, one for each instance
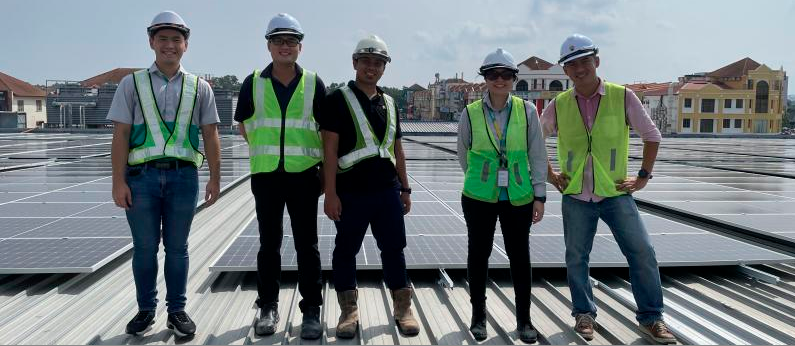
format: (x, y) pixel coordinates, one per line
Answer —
(504, 74)
(278, 41)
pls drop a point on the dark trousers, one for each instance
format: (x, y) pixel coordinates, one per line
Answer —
(481, 218)
(300, 192)
(382, 210)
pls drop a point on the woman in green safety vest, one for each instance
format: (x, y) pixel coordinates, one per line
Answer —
(501, 150)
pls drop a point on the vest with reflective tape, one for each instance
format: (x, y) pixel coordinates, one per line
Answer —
(607, 143)
(161, 142)
(302, 147)
(483, 158)
(367, 145)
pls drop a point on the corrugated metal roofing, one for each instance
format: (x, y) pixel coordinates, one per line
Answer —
(717, 305)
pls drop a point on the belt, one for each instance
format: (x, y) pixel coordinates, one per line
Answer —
(167, 165)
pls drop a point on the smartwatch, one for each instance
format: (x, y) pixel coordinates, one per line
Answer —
(405, 190)
(542, 199)
(644, 174)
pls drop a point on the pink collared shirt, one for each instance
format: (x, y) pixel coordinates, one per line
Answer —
(638, 119)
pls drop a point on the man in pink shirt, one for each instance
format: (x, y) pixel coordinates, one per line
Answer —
(592, 121)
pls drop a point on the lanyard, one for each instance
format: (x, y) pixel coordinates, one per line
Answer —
(498, 132)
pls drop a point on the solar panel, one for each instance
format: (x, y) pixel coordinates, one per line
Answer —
(81, 228)
(59, 255)
(12, 226)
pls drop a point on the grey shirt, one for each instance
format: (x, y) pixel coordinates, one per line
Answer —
(125, 108)
(536, 150)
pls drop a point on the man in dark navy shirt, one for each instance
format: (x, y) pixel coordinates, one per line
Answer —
(366, 185)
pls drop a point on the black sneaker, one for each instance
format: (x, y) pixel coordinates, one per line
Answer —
(181, 323)
(142, 322)
(310, 326)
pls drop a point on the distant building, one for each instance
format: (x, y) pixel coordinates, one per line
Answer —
(661, 102)
(87, 103)
(742, 97)
(539, 81)
(409, 95)
(19, 96)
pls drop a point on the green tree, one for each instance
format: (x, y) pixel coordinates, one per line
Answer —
(789, 116)
(228, 82)
(400, 98)
(333, 86)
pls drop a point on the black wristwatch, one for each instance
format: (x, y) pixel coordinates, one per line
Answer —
(644, 174)
(542, 199)
(405, 190)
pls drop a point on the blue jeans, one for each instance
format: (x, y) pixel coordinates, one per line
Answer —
(621, 215)
(166, 197)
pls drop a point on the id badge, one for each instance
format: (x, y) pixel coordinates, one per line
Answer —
(502, 177)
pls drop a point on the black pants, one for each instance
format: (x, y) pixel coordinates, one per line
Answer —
(481, 218)
(300, 192)
(382, 210)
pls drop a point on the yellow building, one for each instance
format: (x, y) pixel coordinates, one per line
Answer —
(742, 97)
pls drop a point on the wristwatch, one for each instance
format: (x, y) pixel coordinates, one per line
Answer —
(542, 199)
(644, 174)
(405, 190)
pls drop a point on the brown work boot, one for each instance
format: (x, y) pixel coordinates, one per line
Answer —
(585, 326)
(404, 319)
(659, 332)
(349, 316)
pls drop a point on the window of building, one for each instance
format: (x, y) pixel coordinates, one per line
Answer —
(777, 85)
(738, 123)
(688, 103)
(708, 106)
(38, 105)
(20, 105)
(727, 123)
(686, 123)
(750, 84)
(738, 103)
(535, 84)
(706, 126)
(521, 86)
(543, 84)
(555, 85)
(727, 103)
(762, 89)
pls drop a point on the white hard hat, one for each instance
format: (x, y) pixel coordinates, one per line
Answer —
(284, 24)
(498, 59)
(576, 46)
(168, 20)
(374, 45)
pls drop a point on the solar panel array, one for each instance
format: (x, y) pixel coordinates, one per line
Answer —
(59, 216)
(436, 231)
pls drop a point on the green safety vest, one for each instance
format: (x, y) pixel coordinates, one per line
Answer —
(160, 142)
(367, 145)
(483, 158)
(302, 145)
(607, 143)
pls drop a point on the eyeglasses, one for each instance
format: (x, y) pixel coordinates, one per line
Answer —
(504, 74)
(278, 41)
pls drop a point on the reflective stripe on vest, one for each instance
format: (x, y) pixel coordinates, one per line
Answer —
(366, 145)
(483, 159)
(302, 147)
(607, 143)
(157, 145)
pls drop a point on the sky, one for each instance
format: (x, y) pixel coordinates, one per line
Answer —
(639, 41)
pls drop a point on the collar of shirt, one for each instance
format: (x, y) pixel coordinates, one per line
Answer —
(359, 93)
(599, 91)
(155, 70)
(487, 101)
(268, 71)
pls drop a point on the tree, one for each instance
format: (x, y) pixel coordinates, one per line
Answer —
(400, 97)
(334, 86)
(789, 116)
(228, 82)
